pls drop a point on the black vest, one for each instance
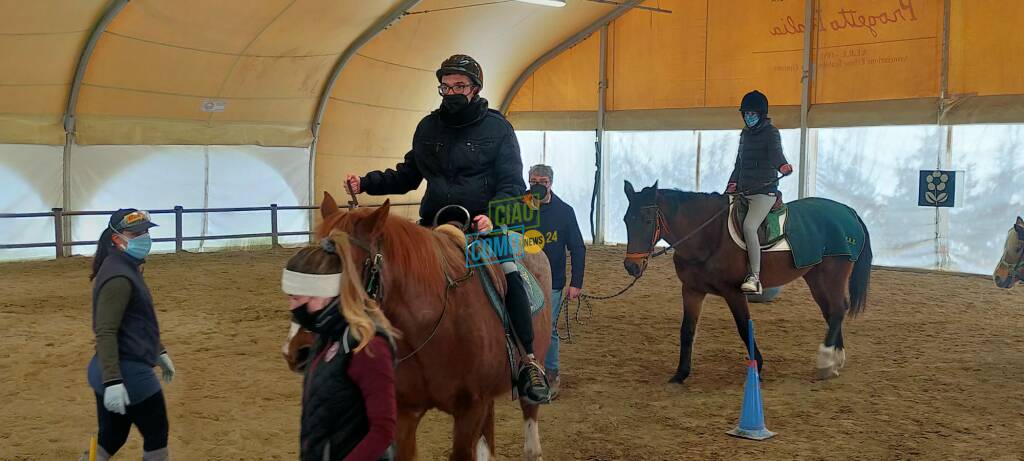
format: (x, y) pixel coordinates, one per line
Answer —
(334, 417)
(760, 157)
(138, 339)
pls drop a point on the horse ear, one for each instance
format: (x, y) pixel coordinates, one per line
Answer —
(328, 207)
(655, 186)
(1020, 222)
(629, 189)
(374, 223)
(1019, 226)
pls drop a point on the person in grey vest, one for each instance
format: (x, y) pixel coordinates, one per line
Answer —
(759, 158)
(128, 342)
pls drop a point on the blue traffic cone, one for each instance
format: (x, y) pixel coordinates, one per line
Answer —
(752, 414)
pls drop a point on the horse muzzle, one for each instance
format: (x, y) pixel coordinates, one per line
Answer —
(635, 266)
(1005, 283)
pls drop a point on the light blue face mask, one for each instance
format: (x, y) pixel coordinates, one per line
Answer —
(139, 246)
(751, 119)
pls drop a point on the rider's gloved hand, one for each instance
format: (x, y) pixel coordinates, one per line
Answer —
(482, 223)
(731, 188)
(354, 183)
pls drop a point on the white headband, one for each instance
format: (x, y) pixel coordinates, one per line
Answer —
(298, 283)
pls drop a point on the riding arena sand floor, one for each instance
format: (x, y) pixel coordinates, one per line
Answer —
(934, 369)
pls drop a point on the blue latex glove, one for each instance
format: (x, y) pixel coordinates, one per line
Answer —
(167, 366)
(115, 398)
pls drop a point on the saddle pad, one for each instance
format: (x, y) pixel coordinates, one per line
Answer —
(781, 244)
(533, 288)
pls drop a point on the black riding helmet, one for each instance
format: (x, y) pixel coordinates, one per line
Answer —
(462, 64)
(755, 101)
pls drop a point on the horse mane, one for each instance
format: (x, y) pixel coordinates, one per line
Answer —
(410, 251)
(675, 198)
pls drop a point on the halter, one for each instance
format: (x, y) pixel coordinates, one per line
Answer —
(660, 224)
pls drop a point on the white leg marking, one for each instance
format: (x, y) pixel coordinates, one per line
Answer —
(483, 452)
(828, 362)
(531, 432)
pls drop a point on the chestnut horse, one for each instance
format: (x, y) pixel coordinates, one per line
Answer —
(707, 261)
(1010, 269)
(452, 354)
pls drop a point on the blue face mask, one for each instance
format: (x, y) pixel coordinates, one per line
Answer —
(138, 247)
(751, 119)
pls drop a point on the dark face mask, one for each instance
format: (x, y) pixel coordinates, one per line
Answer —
(453, 103)
(319, 322)
(539, 191)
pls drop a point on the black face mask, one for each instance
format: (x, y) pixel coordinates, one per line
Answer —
(453, 103)
(539, 191)
(321, 322)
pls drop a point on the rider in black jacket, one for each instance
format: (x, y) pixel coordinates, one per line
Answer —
(757, 163)
(469, 156)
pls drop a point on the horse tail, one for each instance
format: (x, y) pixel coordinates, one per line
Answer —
(860, 279)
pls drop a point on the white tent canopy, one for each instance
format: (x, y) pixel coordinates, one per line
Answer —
(233, 103)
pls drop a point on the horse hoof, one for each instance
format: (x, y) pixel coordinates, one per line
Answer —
(827, 373)
(677, 379)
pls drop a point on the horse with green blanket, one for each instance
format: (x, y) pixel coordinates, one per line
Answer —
(823, 241)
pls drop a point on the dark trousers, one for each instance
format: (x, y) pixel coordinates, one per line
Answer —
(149, 416)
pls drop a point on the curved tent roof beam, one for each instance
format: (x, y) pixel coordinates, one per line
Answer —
(376, 28)
(620, 10)
(83, 62)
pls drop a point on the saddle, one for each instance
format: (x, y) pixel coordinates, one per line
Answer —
(492, 279)
(770, 233)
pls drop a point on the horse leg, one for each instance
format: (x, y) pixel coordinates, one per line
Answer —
(405, 435)
(470, 416)
(485, 446)
(531, 431)
(693, 301)
(741, 314)
(828, 283)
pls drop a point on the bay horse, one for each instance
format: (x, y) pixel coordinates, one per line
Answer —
(1010, 269)
(452, 354)
(707, 261)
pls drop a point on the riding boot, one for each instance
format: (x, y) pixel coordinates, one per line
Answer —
(532, 382)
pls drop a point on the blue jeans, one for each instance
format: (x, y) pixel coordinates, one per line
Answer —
(551, 359)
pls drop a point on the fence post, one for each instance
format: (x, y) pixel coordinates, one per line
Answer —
(177, 228)
(273, 225)
(58, 231)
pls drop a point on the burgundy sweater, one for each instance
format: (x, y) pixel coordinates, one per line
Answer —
(375, 377)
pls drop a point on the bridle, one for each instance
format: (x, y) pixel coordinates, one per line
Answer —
(654, 215)
(1016, 269)
(373, 285)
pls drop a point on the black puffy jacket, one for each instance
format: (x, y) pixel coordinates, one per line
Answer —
(334, 418)
(469, 162)
(759, 159)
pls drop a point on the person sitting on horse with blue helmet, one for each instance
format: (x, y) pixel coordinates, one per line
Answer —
(469, 156)
(758, 159)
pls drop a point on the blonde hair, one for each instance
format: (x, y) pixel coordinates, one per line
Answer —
(362, 313)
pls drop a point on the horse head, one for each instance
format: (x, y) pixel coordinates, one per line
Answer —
(365, 225)
(643, 227)
(1010, 269)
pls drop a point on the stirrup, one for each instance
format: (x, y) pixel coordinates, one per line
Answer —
(752, 285)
